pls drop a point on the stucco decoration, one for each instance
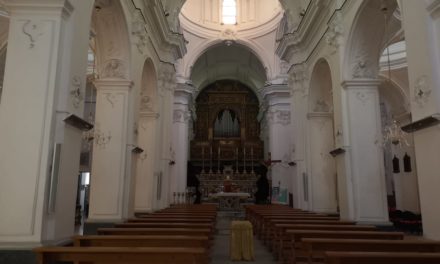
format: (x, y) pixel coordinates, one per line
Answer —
(167, 80)
(114, 68)
(146, 103)
(138, 30)
(279, 117)
(333, 37)
(181, 116)
(228, 34)
(75, 93)
(111, 98)
(362, 68)
(298, 79)
(321, 106)
(422, 91)
(33, 29)
(362, 97)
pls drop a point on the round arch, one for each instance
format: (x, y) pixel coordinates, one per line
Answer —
(112, 40)
(211, 43)
(148, 87)
(321, 166)
(367, 38)
(320, 93)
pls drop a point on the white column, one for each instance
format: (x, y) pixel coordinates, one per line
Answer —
(321, 164)
(362, 186)
(421, 23)
(166, 84)
(279, 127)
(180, 140)
(110, 151)
(298, 82)
(38, 74)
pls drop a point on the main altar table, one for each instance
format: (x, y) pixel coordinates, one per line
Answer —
(230, 200)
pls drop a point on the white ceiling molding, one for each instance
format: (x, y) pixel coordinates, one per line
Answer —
(306, 35)
(171, 45)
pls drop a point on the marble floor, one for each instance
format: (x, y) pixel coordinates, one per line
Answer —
(220, 253)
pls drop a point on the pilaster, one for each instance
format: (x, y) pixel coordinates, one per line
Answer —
(110, 151)
(279, 127)
(28, 114)
(421, 23)
(180, 138)
(362, 187)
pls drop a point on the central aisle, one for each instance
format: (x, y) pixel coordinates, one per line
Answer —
(220, 253)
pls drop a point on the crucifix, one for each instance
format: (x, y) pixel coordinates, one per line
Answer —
(268, 163)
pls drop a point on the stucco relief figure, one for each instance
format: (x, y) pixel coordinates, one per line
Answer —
(146, 104)
(114, 69)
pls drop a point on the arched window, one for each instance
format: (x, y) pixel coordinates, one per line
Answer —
(229, 12)
(226, 124)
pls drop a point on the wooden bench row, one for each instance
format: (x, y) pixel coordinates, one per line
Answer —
(164, 237)
(332, 241)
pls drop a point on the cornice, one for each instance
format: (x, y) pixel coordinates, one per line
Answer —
(43, 7)
(161, 36)
(434, 8)
(275, 91)
(361, 83)
(207, 32)
(319, 115)
(112, 84)
(304, 36)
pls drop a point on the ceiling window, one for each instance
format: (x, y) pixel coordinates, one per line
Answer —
(229, 12)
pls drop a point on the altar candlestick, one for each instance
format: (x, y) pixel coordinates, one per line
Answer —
(218, 161)
(203, 160)
(244, 160)
(252, 160)
(210, 162)
(236, 160)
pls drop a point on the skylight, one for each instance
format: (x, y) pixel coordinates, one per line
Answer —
(229, 12)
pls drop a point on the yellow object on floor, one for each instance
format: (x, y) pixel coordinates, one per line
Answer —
(241, 241)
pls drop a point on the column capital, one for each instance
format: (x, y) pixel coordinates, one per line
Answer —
(113, 84)
(42, 7)
(183, 92)
(361, 83)
(276, 94)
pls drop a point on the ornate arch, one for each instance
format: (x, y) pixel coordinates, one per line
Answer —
(112, 40)
(366, 39)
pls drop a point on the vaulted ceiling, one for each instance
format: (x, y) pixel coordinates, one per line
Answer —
(228, 62)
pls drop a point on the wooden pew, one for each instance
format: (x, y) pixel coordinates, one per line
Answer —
(381, 258)
(122, 255)
(167, 225)
(164, 219)
(264, 223)
(315, 248)
(141, 241)
(278, 226)
(295, 236)
(156, 231)
(282, 238)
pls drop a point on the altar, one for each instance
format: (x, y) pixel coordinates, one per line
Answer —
(229, 200)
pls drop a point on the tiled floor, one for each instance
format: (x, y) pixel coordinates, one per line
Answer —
(220, 253)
